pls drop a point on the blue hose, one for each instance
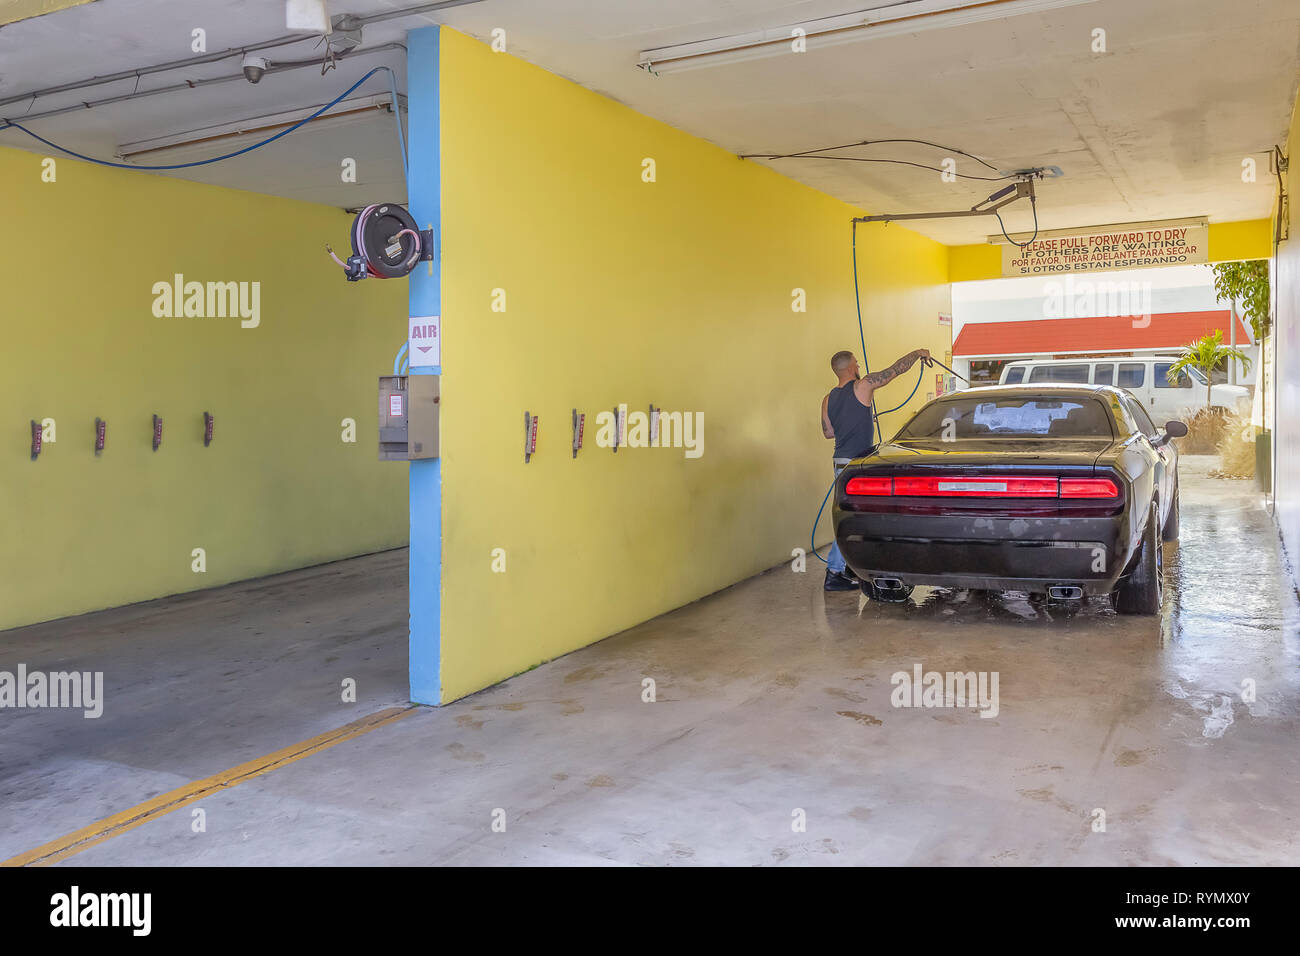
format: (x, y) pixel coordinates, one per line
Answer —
(862, 338)
(920, 376)
(215, 159)
(812, 540)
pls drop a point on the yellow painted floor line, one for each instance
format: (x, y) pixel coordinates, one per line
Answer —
(165, 803)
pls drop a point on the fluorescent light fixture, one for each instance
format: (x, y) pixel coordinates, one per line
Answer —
(893, 19)
(348, 111)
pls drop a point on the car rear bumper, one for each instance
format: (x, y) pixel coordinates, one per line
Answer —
(997, 553)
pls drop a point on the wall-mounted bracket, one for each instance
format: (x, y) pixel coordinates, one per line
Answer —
(36, 439)
(579, 422)
(157, 432)
(530, 436)
(208, 421)
(101, 427)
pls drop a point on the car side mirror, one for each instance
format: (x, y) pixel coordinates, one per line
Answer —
(1176, 429)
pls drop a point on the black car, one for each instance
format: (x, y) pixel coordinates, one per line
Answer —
(1065, 490)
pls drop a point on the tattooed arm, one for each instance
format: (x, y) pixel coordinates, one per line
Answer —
(827, 430)
(873, 380)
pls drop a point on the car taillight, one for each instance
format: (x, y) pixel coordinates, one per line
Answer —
(868, 486)
(1088, 488)
(983, 486)
(976, 487)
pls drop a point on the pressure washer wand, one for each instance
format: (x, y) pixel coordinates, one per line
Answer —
(931, 360)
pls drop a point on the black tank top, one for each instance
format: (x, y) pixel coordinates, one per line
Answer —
(851, 420)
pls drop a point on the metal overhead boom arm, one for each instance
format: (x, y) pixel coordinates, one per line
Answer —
(1022, 189)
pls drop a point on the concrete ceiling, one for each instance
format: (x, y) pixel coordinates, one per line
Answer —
(115, 35)
(1156, 127)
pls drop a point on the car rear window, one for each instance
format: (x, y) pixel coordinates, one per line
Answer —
(1039, 416)
(1060, 373)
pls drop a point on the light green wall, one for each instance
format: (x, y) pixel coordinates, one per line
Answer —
(278, 488)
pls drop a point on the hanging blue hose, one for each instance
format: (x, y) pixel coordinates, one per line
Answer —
(862, 338)
(215, 159)
(812, 540)
(920, 375)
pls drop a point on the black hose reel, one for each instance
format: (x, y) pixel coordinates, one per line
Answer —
(386, 244)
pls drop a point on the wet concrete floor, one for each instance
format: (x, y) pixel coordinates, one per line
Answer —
(773, 738)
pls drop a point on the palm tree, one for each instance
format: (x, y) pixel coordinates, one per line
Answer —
(1205, 355)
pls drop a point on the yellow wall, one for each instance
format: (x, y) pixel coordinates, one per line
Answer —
(1251, 239)
(977, 261)
(277, 489)
(1229, 241)
(676, 292)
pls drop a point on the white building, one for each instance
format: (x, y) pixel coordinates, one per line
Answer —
(981, 349)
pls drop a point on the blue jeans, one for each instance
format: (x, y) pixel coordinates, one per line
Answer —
(835, 560)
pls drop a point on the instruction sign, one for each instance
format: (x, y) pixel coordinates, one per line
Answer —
(424, 341)
(1109, 250)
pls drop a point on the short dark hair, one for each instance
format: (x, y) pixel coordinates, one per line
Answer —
(840, 361)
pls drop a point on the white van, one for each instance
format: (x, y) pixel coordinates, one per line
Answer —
(1144, 377)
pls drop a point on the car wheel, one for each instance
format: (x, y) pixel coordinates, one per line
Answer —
(1143, 590)
(1170, 530)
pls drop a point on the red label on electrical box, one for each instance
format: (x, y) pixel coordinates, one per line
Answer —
(394, 406)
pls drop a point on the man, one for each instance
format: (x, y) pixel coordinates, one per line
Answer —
(846, 417)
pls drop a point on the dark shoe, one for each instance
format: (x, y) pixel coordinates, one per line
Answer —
(839, 582)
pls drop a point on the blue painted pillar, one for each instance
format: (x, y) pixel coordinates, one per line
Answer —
(424, 189)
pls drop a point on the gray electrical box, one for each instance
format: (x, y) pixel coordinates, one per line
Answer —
(408, 417)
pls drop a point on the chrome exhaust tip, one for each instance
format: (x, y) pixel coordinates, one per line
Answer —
(1065, 592)
(888, 584)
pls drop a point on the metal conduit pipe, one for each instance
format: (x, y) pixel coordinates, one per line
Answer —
(283, 67)
(348, 22)
(279, 67)
(158, 68)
